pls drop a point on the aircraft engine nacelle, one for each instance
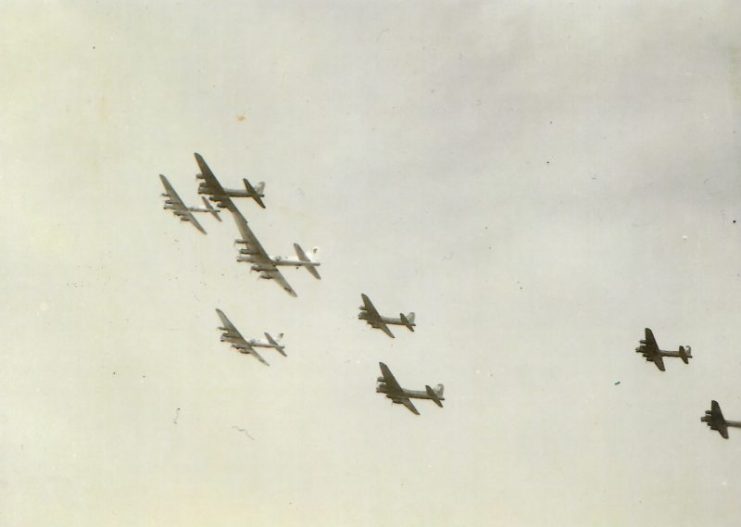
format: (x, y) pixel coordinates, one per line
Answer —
(240, 241)
(380, 379)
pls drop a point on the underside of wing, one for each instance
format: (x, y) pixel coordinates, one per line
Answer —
(209, 185)
(651, 341)
(178, 208)
(382, 326)
(275, 274)
(259, 357)
(716, 411)
(389, 379)
(226, 323)
(410, 406)
(659, 361)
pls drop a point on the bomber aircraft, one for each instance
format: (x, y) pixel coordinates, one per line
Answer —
(181, 210)
(388, 385)
(211, 187)
(253, 252)
(715, 420)
(232, 335)
(370, 314)
(650, 350)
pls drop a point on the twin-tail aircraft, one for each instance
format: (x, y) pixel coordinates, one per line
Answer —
(650, 350)
(181, 210)
(388, 385)
(252, 252)
(232, 335)
(370, 314)
(715, 420)
(211, 187)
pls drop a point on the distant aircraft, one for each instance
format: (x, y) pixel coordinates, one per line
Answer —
(211, 187)
(252, 252)
(388, 386)
(651, 351)
(370, 314)
(179, 209)
(234, 337)
(715, 420)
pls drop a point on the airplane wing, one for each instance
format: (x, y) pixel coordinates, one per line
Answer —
(715, 408)
(231, 330)
(374, 317)
(258, 356)
(178, 207)
(236, 339)
(651, 341)
(718, 421)
(255, 195)
(398, 391)
(262, 260)
(210, 185)
(389, 379)
(410, 406)
(659, 361)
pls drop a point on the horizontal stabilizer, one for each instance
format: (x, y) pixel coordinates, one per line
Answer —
(685, 353)
(254, 194)
(302, 256)
(275, 344)
(210, 208)
(431, 393)
(407, 320)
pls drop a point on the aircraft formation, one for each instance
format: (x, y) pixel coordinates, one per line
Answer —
(650, 350)
(268, 267)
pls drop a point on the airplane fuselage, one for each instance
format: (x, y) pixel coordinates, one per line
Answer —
(257, 343)
(394, 321)
(279, 261)
(238, 193)
(411, 394)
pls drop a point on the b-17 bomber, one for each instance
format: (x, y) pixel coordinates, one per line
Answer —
(650, 350)
(715, 420)
(388, 386)
(181, 210)
(370, 314)
(252, 252)
(211, 187)
(232, 335)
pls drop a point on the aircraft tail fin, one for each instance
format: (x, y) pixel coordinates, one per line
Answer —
(434, 395)
(210, 208)
(408, 320)
(254, 194)
(274, 343)
(306, 259)
(685, 353)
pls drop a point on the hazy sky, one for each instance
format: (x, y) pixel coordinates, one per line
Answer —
(538, 181)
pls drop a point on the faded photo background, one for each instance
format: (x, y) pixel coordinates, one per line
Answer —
(538, 181)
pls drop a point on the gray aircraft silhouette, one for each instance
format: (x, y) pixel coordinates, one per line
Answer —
(370, 314)
(388, 385)
(715, 420)
(650, 349)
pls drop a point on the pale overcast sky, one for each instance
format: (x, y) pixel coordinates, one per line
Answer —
(538, 181)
